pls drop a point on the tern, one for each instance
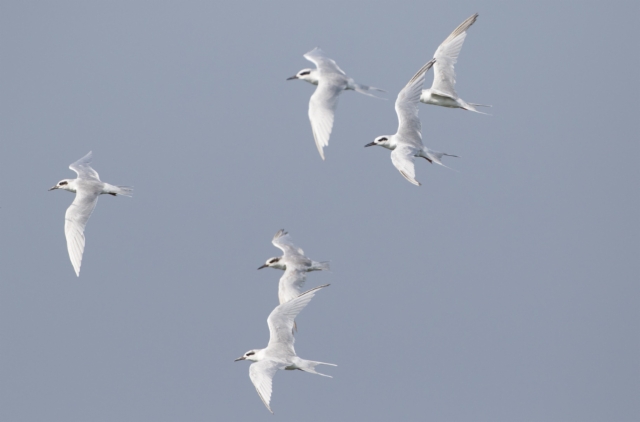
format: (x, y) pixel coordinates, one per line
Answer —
(293, 256)
(442, 92)
(87, 187)
(279, 353)
(295, 266)
(331, 81)
(407, 142)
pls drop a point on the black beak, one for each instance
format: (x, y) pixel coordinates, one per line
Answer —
(264, 266)
(240, 358)
(370, 144)
(55, 187)
(293, 77)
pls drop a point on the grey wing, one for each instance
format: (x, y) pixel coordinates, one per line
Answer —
(322, 62)
(281, 319)
(282, 241)
(291, 284)
(261, 374)
(402, 158)
(82, 168)
(409, 126)
(444, 76)
(322, 108)
(75, 220)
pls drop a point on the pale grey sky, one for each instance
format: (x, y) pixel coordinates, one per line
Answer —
(506, 291)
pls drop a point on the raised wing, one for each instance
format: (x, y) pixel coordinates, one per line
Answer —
(282, 241)
(322, 108)
(322, 62)
(75, 220)
(82, 168)
(261, 374)
(402, 158)
(291, 284)
(409, 126)
(282, 318)
(444, 76)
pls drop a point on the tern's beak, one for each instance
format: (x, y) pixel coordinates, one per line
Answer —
(55, 187)
(240, 358)
(264, 266)
(370, 144)
(293, 77)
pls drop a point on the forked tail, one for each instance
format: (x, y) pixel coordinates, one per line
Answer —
(123, 190)
(472, 107)
(322, 266)
(310, 365)
(435, 157)
(364, 89)
(117, 190)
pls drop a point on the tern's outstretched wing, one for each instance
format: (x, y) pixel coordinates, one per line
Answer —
(322, 62)
(291, 284)
(261, 374)
(282, 241)
(402, 158)
(75, 220)
(281, 319)
(444, 76)
(82, 168)
(409, 127)
(322, 108)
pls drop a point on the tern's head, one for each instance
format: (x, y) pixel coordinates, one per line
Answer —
(252, 355)
(66, 184)
(275, 262)
(309, 75)
(382, 141)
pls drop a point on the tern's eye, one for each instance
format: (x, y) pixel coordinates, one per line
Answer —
(306, 72)
(251, 353)
(273, 261)
(62, 183)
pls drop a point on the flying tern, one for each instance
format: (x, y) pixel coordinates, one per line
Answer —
(407, 142)
(331, 81)
(442, 92)
(87, 187)
(293, 256)
(279, 353)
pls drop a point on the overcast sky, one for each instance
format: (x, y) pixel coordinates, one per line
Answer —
(504, 291)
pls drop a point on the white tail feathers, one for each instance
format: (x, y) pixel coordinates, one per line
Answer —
(324, 266)
(470, 107)
(364, 89)
(436, 156)
(123, 190)
(310, 365)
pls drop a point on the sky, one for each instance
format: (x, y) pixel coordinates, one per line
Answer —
(503, 290)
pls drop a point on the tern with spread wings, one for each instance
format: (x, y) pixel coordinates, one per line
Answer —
(407, 142)
(442, 92)
(295, 264)
(87, 187)
(331, 81)
(279, 353)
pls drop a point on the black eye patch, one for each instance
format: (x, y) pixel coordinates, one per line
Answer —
(306, 72)
(251, 353)
(62, 183)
